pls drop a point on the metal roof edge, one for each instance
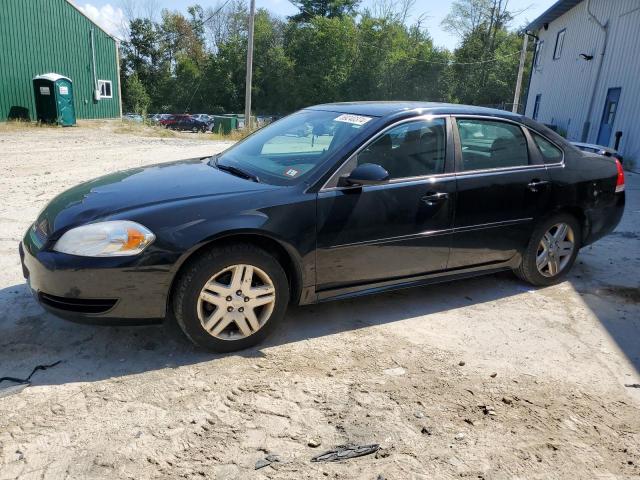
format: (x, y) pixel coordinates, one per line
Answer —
(53, 77)
(550, 14)
(77, 8)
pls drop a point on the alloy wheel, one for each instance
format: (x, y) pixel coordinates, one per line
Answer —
(236, 302)
(555, 249)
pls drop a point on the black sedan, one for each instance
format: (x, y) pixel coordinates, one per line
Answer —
(190, 124)
(372, 197)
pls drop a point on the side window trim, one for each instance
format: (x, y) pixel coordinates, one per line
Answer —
(535, 158)
(449, 153)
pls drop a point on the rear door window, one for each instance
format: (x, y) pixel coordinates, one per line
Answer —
(550, 153)
(489, 144)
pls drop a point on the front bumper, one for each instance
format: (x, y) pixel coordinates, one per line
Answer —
(95, 290)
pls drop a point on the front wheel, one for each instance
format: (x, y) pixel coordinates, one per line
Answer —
(551, 251)
(231, 297)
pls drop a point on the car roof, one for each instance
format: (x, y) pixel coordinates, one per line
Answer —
(383, 109)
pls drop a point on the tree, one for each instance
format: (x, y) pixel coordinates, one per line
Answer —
(485, 64)
(466, 16)
(322, 53)
(136, 99)
(331, 51)
(395, 62)
(396, 11)
(323, 8)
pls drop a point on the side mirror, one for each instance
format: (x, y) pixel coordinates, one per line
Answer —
(365, 174)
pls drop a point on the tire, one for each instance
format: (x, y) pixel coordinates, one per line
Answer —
(528, 269)
(222, 264)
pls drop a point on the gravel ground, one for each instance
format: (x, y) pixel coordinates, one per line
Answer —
(482, 378)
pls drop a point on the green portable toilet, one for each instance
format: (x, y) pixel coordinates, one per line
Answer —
(54, 99)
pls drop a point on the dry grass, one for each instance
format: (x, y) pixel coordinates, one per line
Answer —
(17, 125)
(143, 130)
(128, 128)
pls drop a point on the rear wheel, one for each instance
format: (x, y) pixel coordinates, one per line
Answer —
(231, 298)
(551, 251)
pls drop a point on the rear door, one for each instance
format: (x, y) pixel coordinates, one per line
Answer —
(397, 229)
(503, 187)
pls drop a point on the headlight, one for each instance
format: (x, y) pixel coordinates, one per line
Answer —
(105, 239)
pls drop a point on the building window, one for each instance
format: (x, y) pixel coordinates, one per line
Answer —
(536, 107)
(557, 52)
(105, 88)
(538, 54)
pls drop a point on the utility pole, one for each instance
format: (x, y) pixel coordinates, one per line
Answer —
(523, 56)
(247, 96)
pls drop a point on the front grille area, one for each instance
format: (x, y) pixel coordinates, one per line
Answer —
(77, 305)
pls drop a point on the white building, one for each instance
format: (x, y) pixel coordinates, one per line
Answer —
(585, 77)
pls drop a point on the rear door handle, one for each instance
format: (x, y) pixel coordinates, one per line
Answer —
(434, 198)
(535, 184)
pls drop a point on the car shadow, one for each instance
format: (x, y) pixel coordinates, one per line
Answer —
(30, 336)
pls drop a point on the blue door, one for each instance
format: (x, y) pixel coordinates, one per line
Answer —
(608, 116)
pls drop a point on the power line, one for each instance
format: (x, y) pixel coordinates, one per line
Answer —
(450, 63)
(218, 10)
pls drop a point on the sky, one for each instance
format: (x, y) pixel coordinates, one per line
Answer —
(109, 14)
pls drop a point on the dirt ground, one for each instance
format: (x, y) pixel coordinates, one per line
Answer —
(483, 378)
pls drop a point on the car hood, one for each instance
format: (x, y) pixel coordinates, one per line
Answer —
(138, 188)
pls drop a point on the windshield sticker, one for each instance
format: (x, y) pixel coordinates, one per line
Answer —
(353, 119)
(292, 172)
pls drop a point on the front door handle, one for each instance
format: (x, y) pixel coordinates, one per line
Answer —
(535, 184)
(433, 198)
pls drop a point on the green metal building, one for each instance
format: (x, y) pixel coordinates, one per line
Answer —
(38, 37)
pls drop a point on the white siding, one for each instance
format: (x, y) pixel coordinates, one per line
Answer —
(566, 84)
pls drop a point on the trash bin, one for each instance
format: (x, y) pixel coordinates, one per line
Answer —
(242, 123)
(54, 99)
(224, 124)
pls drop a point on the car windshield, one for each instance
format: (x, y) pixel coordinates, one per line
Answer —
(288, 150)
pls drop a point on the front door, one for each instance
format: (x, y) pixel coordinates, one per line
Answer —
(501, 191)
(608, 116)
(394, 230)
